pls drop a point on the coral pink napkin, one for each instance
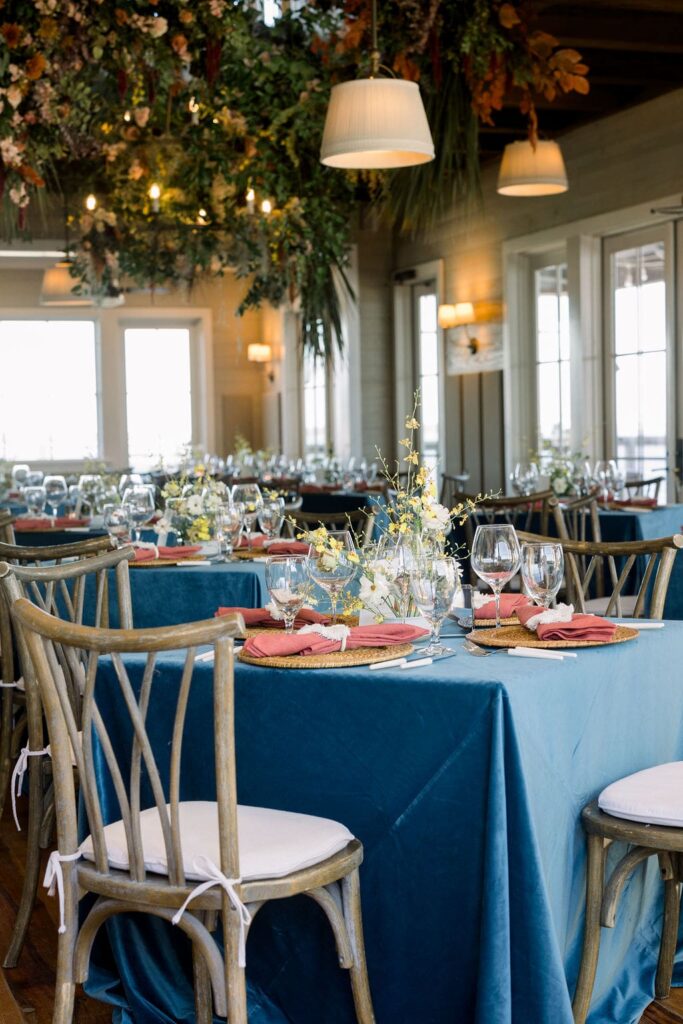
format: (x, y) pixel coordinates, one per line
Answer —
(509, 603)
(637, 503)
(257, 540)
(167, 554)
(581, 627)
(288, 547)
(261, 617)
(268, 645)
(45, 523)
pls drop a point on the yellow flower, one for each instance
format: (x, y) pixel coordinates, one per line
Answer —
(412, 457)
(406, 442)
(411, 423)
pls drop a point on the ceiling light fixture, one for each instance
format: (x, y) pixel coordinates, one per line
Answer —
(529, 171)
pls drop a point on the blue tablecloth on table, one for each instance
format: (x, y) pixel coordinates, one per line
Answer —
(465, 782)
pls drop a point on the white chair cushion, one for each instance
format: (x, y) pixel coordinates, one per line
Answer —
(272, 843)
(598, 605)
(653, 796)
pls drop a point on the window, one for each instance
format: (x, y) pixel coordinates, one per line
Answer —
(158, 393)
(427, 373)
(315, 405)
(48, 390)
(553, 366)
(638, 354)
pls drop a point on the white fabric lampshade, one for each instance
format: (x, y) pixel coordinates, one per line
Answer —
(259, 352)
(58, 285)
(525, 171)
(376, 123)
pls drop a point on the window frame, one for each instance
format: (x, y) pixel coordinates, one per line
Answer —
(540, 261)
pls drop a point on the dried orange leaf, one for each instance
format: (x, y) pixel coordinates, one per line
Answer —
(508, 16)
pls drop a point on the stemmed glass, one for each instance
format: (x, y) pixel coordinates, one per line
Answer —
(288, 584)
(332, 568)
(35, 498)
(139, 503)
(402, 560)
(601, 475)
(55, 492)
(495, 558)
(433, 586)
(542, 571)
(117, 523)
(229, 524)
(271, 517)
(525, 478)
(248, 495)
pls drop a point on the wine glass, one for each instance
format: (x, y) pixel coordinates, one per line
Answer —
(229, 524)
(55, 492)
(495, 558)
(542, 571)
(117, 523)
(433, 586)
(601, 475)
(139, 502)
(271, 517)
(20, 474)
(332, 568)
(525, 478)
(288, 584)
(35, 498)
(402, 560)
(248, 495)
(128, 480)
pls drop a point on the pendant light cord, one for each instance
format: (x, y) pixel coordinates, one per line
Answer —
(374, 53)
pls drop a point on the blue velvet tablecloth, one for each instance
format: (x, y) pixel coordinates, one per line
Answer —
(465, 782)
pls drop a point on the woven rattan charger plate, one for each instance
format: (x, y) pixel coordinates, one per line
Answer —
(520, 636)
(489, 623)
(247, 553)
(338, 659)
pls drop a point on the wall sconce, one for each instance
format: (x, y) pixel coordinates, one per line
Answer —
(469, 314)
(259, 352)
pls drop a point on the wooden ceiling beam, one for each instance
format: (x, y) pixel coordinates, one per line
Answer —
(612, 30)
(648, 6)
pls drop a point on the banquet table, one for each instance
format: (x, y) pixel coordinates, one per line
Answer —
(465, 781)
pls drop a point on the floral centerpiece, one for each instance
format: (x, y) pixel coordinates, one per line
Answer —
(562, 469)
(191, 507)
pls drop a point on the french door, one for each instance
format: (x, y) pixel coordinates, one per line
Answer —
(428, 370)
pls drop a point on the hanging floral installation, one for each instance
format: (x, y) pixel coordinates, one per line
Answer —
(196, 127)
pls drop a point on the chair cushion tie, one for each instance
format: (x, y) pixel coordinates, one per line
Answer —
(204, 867)
(54, 876)
(18, 776)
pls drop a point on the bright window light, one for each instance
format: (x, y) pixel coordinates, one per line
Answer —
(315, 405)
(553, 366)
(48, 390)
(158, 394)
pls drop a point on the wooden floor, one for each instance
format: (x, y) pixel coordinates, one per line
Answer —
(26, 991)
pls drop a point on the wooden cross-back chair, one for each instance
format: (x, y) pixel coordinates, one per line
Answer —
(360, 521)
(579, 519)
(620, 559)
(644, 488)
(60, 589)
(451, 488)
(152, 859)
(6, 527)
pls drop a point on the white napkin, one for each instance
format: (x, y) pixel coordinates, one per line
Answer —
(562, 613)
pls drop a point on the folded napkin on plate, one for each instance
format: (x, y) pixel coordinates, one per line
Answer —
(256, 541)
(178, 553)
(565, 625)
(45, 522)
(509, 603)
(327, 639)
(288, 547)
(261, 618)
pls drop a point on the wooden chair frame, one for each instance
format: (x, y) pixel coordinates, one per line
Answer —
(360, 521)
(634, 487)
(6, 531)
(46, 586)
(333, 883)
(663, 549)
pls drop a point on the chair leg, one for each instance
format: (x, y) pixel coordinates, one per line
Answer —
(47, 824)
(33, 859)
(6, 722)
(360, 984)
(203, 1002)
(65, 986)
(667, 949)
(591, 939)
(235, 979)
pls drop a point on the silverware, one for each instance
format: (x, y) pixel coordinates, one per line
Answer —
(474, 649)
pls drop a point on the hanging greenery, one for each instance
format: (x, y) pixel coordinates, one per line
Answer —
(197, 129)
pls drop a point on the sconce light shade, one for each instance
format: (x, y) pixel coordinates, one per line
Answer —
(58, 287)
(456, 316)
(375, 123)
(525, 171)
(259, 353)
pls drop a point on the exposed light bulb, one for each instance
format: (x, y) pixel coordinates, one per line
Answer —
(126, 116)
(193, 107)
(266, 206)
(91, 202)
(202, 216)
(250, 197)
(155, 195)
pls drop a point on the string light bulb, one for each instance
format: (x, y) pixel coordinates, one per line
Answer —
(250, 197)
(126, 116)
(155, 195)
(193, 107)
(91, 202)
(202, 216)
(266, 207)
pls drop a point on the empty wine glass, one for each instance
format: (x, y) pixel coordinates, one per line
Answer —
(248, 495)
(433, 586)
(117, 523)
(288, 582)
(495, 558)
(601, 476)
(35, 498)
(271, 517)
(542, 571)
(229, 524)
(128, 480)
(55, 492)
(332, 568)
(20, 474)
(139, 502)
(525, 478)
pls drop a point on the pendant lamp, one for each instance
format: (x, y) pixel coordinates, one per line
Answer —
(525, 171)
(58, 284)
(375, 123)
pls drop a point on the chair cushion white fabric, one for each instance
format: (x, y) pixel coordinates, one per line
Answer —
(271, 843)
(598, 605)
(653, 796)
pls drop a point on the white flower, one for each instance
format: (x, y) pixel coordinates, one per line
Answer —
(436, 517)
(14, 95)
(212, 502)
(157, 27)
(560, 485)
(9, 152)
(375, 594)
(195, 505)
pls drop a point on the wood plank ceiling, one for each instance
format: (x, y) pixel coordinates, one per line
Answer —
(634, 49)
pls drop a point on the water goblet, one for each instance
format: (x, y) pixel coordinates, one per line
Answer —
(248, 495)
(542, 571)
(288, 584)
(117, 523)
(139, 502)
(271, 517)
(55, 492)
(229, 525)
(433, 586)
(495, 558)
(332, 569)
(20, 474)
(35, 498)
